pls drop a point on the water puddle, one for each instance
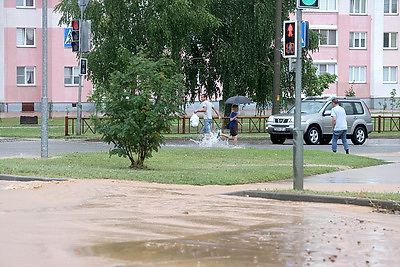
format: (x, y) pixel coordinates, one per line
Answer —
(221, 249)
(262, 245)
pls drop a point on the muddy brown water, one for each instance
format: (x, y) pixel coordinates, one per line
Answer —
(123, 223)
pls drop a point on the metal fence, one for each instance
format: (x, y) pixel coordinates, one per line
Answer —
(254, 124)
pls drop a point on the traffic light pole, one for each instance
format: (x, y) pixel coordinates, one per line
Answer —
(79, 105)
(298, 146)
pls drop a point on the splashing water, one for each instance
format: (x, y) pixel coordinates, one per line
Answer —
(211, 140)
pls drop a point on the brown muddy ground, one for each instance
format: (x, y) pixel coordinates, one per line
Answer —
(123, 223)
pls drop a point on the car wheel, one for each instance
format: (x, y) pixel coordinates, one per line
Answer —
(277, 139)
(326, 139)
(312, 136)
(359, 136)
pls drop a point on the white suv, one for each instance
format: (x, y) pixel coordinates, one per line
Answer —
(316, 121)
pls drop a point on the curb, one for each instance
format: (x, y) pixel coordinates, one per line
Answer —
(376, 203)
(4, 177)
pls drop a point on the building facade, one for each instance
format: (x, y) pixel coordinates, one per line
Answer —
(21, 60)
(359, 44)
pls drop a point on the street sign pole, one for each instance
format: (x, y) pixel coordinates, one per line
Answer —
(79, 105)
(82, 6)
(298, 146)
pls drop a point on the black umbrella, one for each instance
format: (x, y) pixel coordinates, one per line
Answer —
(236, 100)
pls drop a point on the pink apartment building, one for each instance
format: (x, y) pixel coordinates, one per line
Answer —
(359, 44)
(21, 60)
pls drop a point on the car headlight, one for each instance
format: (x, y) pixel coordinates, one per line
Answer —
(270, 119)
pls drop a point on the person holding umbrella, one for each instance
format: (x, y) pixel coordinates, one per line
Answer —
(208, 107)
(233, 125)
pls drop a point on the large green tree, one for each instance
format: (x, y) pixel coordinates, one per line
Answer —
(237, 57)
(160, 27)
(224, 47)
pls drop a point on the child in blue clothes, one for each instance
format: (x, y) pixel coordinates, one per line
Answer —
(233, 125)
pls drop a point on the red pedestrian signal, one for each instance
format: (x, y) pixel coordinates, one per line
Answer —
(75, 24)
(289, 39)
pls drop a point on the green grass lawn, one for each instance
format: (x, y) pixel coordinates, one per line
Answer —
(187, 166)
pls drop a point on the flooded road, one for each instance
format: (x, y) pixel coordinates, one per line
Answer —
(123, 223)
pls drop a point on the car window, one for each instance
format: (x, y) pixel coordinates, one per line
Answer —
(309, 107)
(359, 108)
(348, 107)
(328, 108)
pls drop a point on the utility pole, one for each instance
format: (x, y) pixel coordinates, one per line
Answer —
(82, 5)
(298, 145)
(45, 101)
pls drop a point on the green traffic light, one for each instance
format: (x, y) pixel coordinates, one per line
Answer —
(309, 2)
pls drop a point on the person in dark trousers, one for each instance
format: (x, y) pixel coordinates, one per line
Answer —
(339, 126)
(233, 125)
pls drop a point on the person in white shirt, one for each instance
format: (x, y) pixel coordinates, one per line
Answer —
(208, 107)
(339, 126)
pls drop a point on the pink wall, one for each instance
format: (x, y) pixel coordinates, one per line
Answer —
(353, 57)
(32, 56)
(38, 3)
(15, 56)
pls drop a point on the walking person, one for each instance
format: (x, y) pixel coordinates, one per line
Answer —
(208, 107)
(233, 125)
(339, 126)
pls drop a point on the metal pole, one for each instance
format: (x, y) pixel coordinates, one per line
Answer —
(298, 168)
(79, 105)
(45, 101)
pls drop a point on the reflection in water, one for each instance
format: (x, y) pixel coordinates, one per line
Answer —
(284, 244)
(222, 249)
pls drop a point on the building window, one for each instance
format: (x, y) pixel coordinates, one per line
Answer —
(25, 3)
(358, 40)
(390, 74)
(357, 74)
(26, 37)
(358, 6)
(71, 76)
(390, 7)
(325, 67)
(328, 5)
(390, 40)
(25, 75)
(327, 37)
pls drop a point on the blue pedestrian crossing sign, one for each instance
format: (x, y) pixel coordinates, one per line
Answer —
(67, 37)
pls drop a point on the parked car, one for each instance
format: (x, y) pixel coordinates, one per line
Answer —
(316, 121)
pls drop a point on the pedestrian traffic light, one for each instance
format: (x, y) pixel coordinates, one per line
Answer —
(289, 39)
(75, 35)
(303, 4)
(83, 66)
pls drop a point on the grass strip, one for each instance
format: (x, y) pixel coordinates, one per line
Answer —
(192, 166)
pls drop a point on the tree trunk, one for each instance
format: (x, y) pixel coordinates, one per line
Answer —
(277, 58)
